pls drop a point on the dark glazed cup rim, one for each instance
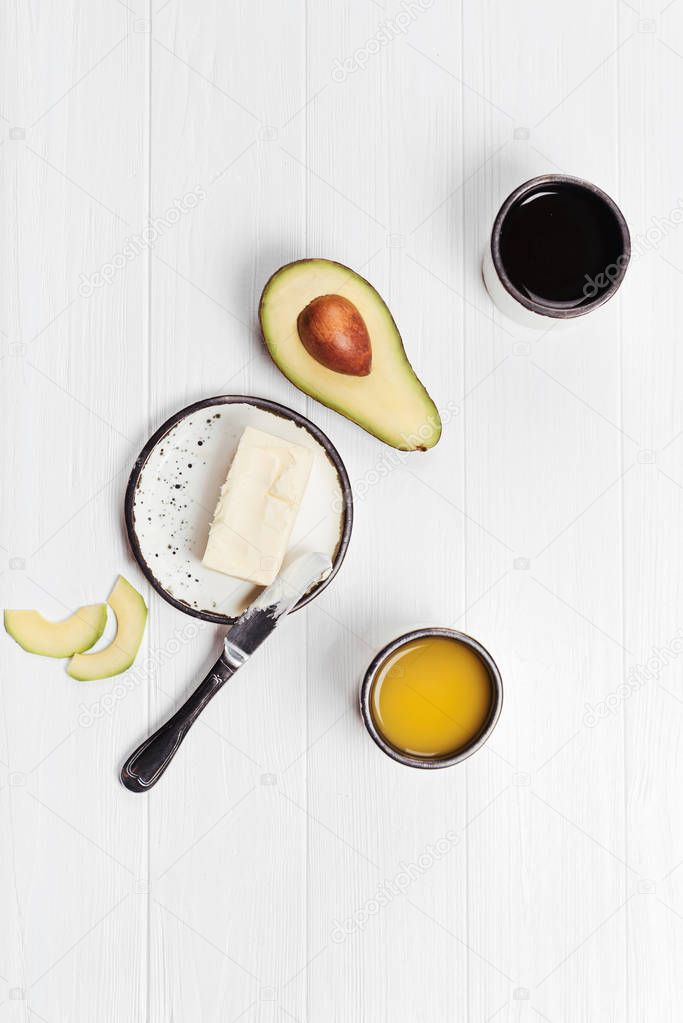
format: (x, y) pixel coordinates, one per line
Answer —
(430, 763)
(543, 309)
(278, 410)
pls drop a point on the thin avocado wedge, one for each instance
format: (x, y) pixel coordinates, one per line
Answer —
(332, 335)
(131, 617)
(37, 635)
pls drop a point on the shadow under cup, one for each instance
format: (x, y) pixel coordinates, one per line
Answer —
(559, 248)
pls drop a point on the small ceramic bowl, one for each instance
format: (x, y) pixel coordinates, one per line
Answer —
(464, 751)
(174, 486)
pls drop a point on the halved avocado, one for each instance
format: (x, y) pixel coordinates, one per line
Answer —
(131, 616)
(57, 639)
(322, 347)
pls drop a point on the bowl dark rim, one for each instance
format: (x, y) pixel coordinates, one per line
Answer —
(284, 413)
(430, 763)
(553, 312)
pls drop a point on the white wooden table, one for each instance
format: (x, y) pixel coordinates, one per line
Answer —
(547, 522)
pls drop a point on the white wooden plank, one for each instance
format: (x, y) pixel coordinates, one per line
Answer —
(546, 858)
(650, 151)
(369, 816)
(227, 864)
(72, 378)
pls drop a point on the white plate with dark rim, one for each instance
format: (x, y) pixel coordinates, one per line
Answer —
(174, 487)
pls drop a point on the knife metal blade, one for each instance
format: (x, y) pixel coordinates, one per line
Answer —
(261, 617)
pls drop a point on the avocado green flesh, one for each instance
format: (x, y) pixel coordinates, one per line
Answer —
(37, 635)
(131, 617)
(390, 403)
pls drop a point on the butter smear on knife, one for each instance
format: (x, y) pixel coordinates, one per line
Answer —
(257, 507)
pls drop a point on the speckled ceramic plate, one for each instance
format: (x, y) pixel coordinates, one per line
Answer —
(174, 487)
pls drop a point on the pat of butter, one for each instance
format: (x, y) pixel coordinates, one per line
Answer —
(257, 507)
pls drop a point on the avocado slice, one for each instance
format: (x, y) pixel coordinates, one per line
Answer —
(57, 639)
(131, 616)
(351, 360)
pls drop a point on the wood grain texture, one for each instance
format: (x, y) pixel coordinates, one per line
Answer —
(284, 869)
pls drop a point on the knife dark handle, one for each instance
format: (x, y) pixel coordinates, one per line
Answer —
(146, 765)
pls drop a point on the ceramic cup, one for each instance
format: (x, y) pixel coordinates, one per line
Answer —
(599, 285)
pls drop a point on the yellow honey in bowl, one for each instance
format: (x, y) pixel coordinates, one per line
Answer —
(431, 696)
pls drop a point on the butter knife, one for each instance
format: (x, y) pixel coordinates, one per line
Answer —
(145, 766)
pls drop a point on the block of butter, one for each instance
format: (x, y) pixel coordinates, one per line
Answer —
(257, 507)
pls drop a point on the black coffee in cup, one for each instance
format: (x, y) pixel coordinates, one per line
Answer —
(558, 243)
(559, 247)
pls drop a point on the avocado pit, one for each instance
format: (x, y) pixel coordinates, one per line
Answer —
(333, 333)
